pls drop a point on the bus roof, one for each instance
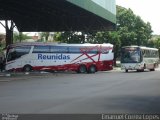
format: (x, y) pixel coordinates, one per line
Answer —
(56, 44)
(142, 47)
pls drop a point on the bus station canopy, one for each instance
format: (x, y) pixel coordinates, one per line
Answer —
(57, 15)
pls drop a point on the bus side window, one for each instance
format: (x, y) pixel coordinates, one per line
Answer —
(41, 49)
(59, 49)
(93, 51)
(147, 53)
(143, 52)
(105, 51)
(157, 55)
(150, 53)
(75, 49)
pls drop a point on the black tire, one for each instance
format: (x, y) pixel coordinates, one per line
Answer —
(140, 70)
(82, 69)
(92, 69)
(152, 69)
(126, 70)
(27, 68)
(144, 66)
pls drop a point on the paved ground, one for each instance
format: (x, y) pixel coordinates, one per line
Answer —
(103, 92)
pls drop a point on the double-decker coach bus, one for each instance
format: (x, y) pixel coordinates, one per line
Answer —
(139, 58)
(60, 57)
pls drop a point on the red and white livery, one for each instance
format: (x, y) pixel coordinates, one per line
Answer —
(81, 58)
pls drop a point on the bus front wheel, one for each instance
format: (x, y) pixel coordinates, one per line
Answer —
(27, 68)
(126, 70)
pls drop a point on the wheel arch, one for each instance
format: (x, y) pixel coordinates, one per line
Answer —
(27, 65)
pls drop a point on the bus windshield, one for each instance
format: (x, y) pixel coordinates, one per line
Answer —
(130, 55)
(17, 52)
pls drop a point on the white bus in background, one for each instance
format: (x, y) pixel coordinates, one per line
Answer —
(81, 58)
(139, 58)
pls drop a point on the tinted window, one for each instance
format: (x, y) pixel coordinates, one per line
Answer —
(92, 50)
(17, 52)
(59, 49)
(41, 49)
(23, 49)
(78, 49)
(74, 50)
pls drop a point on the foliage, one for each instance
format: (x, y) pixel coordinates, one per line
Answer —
(70, 37)
(2, 42)
(154, 41)
(131, 28)
(44, 36)
(157, 43)
(18, 37)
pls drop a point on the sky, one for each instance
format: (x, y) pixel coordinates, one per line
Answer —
(148, 10)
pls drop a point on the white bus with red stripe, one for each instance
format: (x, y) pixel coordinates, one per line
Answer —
(59, 57)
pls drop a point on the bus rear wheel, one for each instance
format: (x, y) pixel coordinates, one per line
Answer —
(153, 68)
(92, 69)
(82, 69)
(27, 68)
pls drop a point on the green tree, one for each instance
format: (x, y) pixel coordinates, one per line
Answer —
(157, 43)
(70, 37)
(9, 26)
(44, 36)
(154, 41)
(18, 37)
(131, 28)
